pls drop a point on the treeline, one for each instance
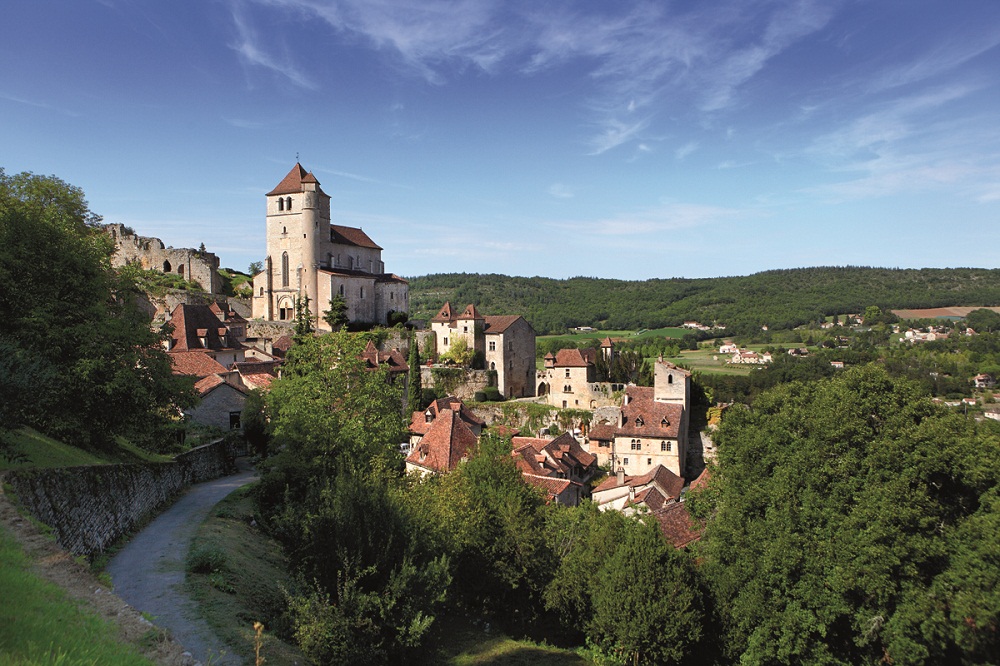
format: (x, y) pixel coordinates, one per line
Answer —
(778, 299)
(848, 521)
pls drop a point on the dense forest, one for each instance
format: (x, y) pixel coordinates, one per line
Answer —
(778, 299)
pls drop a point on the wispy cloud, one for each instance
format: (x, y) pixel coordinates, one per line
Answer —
(560, 191)
(39, 105)
(252, 50)
(667, 217)
(686, 150)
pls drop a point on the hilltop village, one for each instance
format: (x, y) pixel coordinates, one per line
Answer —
(634, 441)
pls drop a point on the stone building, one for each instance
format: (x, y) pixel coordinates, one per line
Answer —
(651, 426)
(309, 257)
(151, 254)
(568, 378)
(506, 342)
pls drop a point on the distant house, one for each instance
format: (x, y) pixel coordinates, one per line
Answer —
(728, 348)
(984, 381)
(626, 493)
(677, 525)
(421, 422)
(221, 403)
(839, 365)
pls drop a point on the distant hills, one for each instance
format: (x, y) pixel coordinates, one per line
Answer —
(778, 299)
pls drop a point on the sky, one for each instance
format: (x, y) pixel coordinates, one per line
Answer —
(561, 138)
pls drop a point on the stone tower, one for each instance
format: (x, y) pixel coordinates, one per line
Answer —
(298, 211)
(670, 383)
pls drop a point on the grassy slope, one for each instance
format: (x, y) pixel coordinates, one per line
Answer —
(248, 583)
(37, 450)
(40, 625)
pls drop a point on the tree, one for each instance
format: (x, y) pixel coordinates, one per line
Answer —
(66, 310)
(413, 395)
(983, 320)
(336, 315)
(303, 317)
(255, 267)
(844, 514)
(459, 353)
(254, 422)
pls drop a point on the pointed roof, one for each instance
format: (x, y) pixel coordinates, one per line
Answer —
(444, 314)
(470, 312)
(448, 441)
(500, 323)
(190, 324)
(292, 183)
(351, 236)
(606, 342)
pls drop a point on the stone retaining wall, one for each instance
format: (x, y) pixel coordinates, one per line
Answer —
(90, 507)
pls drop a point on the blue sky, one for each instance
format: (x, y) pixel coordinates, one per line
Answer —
(603, 138)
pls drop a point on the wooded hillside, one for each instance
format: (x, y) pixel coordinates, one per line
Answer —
(779, 299)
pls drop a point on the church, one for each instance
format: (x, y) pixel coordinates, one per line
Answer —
(309, 257)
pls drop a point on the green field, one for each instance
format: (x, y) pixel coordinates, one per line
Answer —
(32, 449)
(597, 336)
(710, 361)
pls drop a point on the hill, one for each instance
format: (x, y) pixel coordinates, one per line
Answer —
(778, 299)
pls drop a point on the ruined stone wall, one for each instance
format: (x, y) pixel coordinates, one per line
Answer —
(151, 254)
(462, 384)
(90, 507)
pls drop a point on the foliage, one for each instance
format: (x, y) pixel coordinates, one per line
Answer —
(459, 353)
(413, 388)
(336, 315)
(254, 421)
(66, 311)
(983, 320)
(303, 317)
(781, 299)
(847, 517)
(235, 283)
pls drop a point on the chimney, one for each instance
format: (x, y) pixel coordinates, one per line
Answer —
(621, 476)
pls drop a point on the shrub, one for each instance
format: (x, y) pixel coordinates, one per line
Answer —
(206, 561)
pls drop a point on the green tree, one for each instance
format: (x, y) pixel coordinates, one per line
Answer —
(254, 422)
(65, 309)
(336, 315)
(845, 515)
(459, 353)
(303, 317)
(983, 320)
(255, 267)
(413, 387)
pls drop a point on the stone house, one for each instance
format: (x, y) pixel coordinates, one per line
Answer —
(625, 493)
(559, 466)
(448, 442)
(309, 257)
(568, 379)
(506, 343)
(221, 403)
(651, 426)
(421, 422)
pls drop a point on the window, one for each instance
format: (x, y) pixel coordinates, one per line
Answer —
(234, 420)
(510, 346)
(567, 388)
(649, 461)
(341, 290)
(288, 203)
(166, 267)
(567, 373)
(624, 461)
(670, 379)
(564, 404)
(262, 291)
(445, 342)
(465, 329)
(666, 446)
(284, 269)
(639, 421)
(180, 269)
(284, 230)
(493, 365)
(362, 292)
(281, 204)
(493, 345)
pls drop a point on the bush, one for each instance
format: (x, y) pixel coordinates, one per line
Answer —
(491, 394)
(206, 561)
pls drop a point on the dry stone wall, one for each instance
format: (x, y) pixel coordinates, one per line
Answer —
(90, 507)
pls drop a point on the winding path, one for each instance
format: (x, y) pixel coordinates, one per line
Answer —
(148, 573)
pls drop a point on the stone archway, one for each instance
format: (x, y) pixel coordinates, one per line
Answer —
(543, 389)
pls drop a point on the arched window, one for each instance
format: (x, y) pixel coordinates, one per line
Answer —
(166, 267)
(281, 204)
(288, 203)
(341, 290)
(493, 365)
(262, 291)
(284, 269)
(180, 269)
(670, 379)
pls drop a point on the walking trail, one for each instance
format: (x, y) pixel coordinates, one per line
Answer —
(148, 573)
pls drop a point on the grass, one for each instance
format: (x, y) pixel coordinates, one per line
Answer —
(40, 625)
(238, 576)
(710, 361)
(463, 644)
(597, 336)
(33, 449)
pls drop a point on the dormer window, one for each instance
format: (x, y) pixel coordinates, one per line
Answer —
(639, 421)
(664, 422)
(428, 417)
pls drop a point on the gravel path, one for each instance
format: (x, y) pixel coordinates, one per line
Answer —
(148, 573)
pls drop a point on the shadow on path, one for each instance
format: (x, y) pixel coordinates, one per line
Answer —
(148, 572)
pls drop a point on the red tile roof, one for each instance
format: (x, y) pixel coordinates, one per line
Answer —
(351, 236)
(559, 457)
(444, 314)
(195, 363)
(702, 480)
(292, 183)
(668, 483)
(602, 432)
(499, 323)
(392, 360)
(189, 323)
(418, 420)
(448, 441)
(574, 358)
(226, 314)
(644, 417)
(206, 385)
(677, 525)
(552, 487)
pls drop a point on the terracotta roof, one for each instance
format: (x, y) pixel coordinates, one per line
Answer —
(552, 487)
(225, 313)
(500, 323)
(606, 342)
(189, 323)
(444, 314)
(677, 525)
(651, 497)
(390, 277)
(292, 183)
(351, 236)
(702, 480)
(448, 441)
(573, 358)
(283, 344)
(643, 417)
(258, 380)
(206, 385)
(392, 360)
(668, 483)
(603, 432)
(418, 420)
(686, 373)
(502, 430)
(195, 363)
(560, 457)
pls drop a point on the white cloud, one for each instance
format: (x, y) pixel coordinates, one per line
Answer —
(251, 50)
(686, 150)
(560, 191)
